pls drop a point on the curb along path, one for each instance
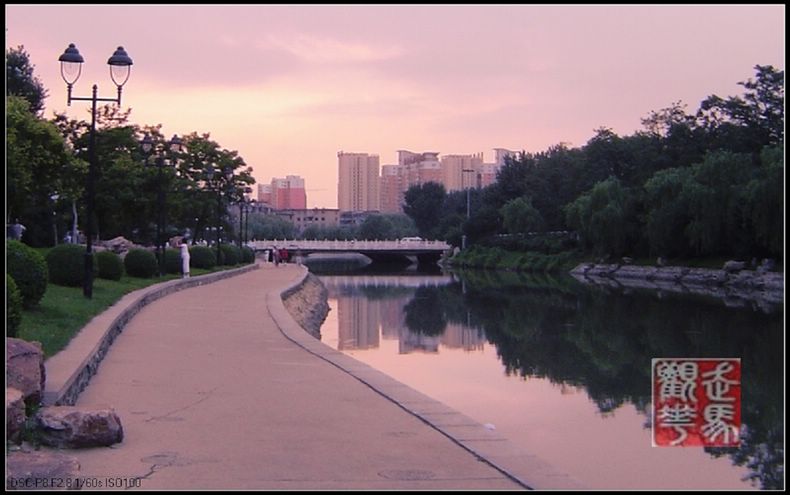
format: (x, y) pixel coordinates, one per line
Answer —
(213, 396)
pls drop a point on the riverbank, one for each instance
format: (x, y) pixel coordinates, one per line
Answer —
(307, 304)
(736, 287)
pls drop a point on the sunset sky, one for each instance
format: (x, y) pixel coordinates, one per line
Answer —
(289, 86)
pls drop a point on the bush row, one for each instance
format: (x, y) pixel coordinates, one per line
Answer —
(498, 258)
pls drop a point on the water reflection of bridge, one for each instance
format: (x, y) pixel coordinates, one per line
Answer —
(411, 281)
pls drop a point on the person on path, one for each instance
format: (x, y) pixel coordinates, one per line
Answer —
(184, 260)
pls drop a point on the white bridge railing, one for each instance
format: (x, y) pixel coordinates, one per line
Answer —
(353, 245)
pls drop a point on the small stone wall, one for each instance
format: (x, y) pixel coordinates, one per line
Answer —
(764, 288)
(307, 304)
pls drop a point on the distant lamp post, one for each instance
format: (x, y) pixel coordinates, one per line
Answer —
(70, 69)
(215, 175)
(149, 147)
(54, 197)
(468, 207)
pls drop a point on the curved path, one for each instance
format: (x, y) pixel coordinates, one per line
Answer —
(212, 395)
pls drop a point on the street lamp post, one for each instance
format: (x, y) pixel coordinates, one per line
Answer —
(215, 172)
(175, 146)
(468, 208)
(70, 69)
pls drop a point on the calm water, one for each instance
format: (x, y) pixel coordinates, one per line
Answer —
(564, 370)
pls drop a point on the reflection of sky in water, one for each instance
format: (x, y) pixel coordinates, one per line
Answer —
(556, 422)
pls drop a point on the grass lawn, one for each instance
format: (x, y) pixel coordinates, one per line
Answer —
(63, 311)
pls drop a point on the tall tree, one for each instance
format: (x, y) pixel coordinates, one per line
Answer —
(20, 80)
(423, 203)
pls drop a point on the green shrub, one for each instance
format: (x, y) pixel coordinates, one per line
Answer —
(66, 264)
(202, 257)
(13, 304)
(229, 255)
(247, 254)
(29, 271)
(140, 263)
(173, 260)
(110, 265)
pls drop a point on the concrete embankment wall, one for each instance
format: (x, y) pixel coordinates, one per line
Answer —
(761, 287)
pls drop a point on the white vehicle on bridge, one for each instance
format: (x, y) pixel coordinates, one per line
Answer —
(411, 239)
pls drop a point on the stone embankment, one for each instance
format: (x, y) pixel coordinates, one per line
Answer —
(307, 304)
(736, 286)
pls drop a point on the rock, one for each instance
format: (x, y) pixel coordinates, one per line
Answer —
(704, 277)
(14, 415)
(669, 273)
(118, 245)
(767, 265)
(75, 427)
(627, 260)
(41, 471)
(734, 266)
(25, 369)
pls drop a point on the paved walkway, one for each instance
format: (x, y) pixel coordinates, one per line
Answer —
(213, 395)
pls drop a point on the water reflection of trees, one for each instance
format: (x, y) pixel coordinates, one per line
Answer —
(562, 331)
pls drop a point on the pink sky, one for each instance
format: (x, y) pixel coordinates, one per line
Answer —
(290, 86)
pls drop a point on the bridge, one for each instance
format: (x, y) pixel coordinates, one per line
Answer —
(424, 251)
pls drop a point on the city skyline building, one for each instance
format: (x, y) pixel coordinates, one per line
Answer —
(358, 182)
(284, 194)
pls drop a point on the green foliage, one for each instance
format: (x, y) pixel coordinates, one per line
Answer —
(668, 211)
(13, 304)
(229, 254)
(66, 264)
(140, 263)
(29, 271)
(20, 80)
(110, 265)
(202, 257)
(270, 227)
(247, 254)
(604, 218)
(173, 260)
(37, 164)
(423, 204)
(520, 217)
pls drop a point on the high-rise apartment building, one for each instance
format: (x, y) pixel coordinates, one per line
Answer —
(284, 194)
(289, 193)
(358, 182)
(265, 194)
(461, 171)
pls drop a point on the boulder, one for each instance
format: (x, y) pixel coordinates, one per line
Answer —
(76, 427)
(766, 266)
(41, 471)
(734, 266)
(118, 245)
(25, 369)
(14, 415)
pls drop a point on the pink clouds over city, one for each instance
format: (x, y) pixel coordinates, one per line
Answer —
(290, 86)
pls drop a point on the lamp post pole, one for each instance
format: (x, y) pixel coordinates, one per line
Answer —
(70, 69)
(468, 208)
(175, 145)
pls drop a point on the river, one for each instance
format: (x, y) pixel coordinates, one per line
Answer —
(563, 369)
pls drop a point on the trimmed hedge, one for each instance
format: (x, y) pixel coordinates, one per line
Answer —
(229, 254)
(202, 257)
(110, 265)
(140, 263)
(247, 254)
(29, 270)
(13, 304)
(66, 264)
(173, 260)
